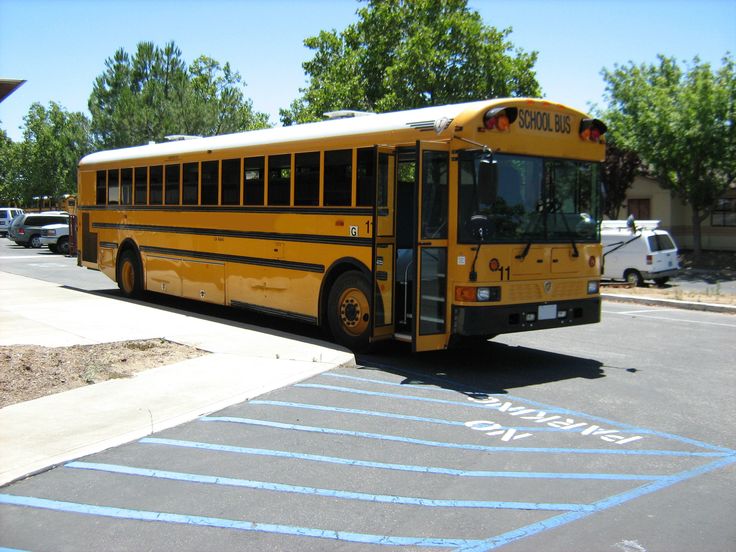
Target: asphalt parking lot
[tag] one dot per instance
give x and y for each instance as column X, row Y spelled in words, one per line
column 355, row 456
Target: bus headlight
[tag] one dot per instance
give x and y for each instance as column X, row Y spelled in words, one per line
column 593, row 287
column 483, row 294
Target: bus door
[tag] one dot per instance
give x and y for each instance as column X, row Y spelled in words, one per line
column 384, row 244
column 430, row 249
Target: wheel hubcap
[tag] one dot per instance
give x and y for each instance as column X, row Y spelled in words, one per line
column 354, row 311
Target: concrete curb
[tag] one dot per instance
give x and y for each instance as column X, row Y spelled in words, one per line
column 673, row 303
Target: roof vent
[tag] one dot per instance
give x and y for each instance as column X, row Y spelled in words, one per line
column 346, row 114
column 180, row 137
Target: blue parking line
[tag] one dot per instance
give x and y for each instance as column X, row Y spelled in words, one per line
column 546, row 407
column 240, row 525
column 399, row 467
column 616, row 500
column 483, row 448
column 330, row 493
column 385, row 415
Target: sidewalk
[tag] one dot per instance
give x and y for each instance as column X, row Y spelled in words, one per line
column 243, row 363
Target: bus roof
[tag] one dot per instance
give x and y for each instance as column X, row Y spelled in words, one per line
column 420, row 119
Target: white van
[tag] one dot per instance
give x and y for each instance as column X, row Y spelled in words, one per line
column 637, row 250
column 7, row 214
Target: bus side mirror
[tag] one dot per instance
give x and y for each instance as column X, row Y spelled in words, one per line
column 487, row 180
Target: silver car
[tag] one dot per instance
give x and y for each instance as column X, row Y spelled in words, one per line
column 26, row 230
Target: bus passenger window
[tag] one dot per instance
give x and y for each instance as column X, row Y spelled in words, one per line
column 190, row 185
column 366, row 176
column 279, row 179
column 101, row 189
column 230, row 182
column 113, row 192
column 171, row 196
column 253, row 179
column 141, row 185
column 157, row 185
column 209, row 182
column 306, row 179
column 338, row 178
column 126, row 186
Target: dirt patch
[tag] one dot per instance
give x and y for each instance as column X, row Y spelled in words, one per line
column 31, row 371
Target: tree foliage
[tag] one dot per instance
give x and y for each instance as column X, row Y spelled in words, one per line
column 154, row 94
column 45, row 163
column 681, row 121
column 619, row 170
column 403, row 54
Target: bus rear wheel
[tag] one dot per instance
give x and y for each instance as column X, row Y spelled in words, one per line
column 130, row 275
column 349, row 311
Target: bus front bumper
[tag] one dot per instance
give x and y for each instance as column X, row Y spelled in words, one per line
column 495, row 320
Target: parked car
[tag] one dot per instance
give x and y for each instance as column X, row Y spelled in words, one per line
column 7, row 214
column 56, row 237
column 25, row 229
column 638, row 250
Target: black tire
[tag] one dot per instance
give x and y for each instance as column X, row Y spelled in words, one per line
column 62, row 246
column 634, row 277
column 348, row 311
column 129, row 274
column 35, row 241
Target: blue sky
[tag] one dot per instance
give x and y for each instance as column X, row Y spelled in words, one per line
column 60, row 46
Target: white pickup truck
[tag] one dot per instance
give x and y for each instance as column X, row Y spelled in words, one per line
column 56, row 236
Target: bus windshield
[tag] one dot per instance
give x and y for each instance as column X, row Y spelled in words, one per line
column 538, row 199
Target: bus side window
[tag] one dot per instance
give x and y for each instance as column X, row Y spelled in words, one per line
column 366, row 177
column 141, row 185
column 126, row 186
column 230, row 182
column 253, row 181
column 338, row 178
column 157, row 184
column 306, row 178
column 190, row 184
column 101, row 194
column 279, row 179
column 171, row 195
column 210, row 173
column 113, row 191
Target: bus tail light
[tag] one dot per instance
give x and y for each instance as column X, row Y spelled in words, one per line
column 500, row 118
column 592, row 130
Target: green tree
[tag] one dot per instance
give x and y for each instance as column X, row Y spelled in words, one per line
column 681, row 122
column 154, row 94
column 10, row 189
column 403, row 54
column 45, row 163
column 619, row 170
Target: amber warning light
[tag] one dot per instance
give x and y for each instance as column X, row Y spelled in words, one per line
column 592, row 130
column 500, row 118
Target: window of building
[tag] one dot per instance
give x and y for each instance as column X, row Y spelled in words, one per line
column 113, row 187
column 141, row 185
column 190, row 184
column 366, row 176
column 171, row 195
column 306, row 178
column 156, row 177
column 725, row 213
column 279, row 179
column 338, row 178
column 253, row 181
column 101, row 189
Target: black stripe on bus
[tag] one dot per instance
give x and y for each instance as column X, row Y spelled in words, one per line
column 275, row 312
column 307, row 238
column 365, row 211
column 291, row 265
column 108, row 245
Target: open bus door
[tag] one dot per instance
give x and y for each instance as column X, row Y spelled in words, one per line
column 384, row 244
column 430, row 248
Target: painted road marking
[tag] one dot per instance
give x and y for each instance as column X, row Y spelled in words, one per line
column 203, row 521
column 669, row 319
column 398, row 467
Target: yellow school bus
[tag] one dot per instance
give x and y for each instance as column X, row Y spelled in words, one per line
column 433, row 226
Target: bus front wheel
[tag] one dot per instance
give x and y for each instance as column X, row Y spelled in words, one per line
column 130, row 275
column 349, row 311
